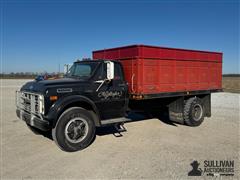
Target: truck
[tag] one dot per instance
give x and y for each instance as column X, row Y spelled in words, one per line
column 118, row 81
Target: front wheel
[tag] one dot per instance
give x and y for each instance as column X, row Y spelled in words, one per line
column 74, row 130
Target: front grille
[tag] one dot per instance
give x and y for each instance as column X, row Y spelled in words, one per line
column 30, row 102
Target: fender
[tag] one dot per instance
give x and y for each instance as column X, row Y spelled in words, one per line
column 56, row 110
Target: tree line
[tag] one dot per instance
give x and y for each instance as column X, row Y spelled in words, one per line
column 25, row 75
column 31, row 75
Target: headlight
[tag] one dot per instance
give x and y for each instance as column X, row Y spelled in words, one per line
column 41, row 104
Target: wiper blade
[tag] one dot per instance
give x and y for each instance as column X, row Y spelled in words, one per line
column 78, row 77
column 72, row 76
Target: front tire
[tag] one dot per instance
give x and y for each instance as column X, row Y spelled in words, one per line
column 74, row 130
column 193, row 112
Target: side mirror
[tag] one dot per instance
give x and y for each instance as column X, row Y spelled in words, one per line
column 110, row 70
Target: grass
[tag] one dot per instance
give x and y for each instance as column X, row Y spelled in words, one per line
column 231, row 84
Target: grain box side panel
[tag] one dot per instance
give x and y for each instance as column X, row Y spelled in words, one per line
column 160, row 76
column 150, row 76
column 150, row 70
column 177, row 54
column 181, row 75
column 131, row 71
column 98, row 55
column 204, row 75
column 117, row 53
column 215, row 75
column 166, row 76
column 193, row 75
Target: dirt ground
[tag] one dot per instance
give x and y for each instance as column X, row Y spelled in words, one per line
column 150, row 149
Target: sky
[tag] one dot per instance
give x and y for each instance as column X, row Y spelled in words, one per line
column 37, row 36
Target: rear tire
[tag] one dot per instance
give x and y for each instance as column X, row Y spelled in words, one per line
column 193, row 112
column 74, row 130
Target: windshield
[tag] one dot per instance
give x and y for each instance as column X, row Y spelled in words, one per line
column 82, row 70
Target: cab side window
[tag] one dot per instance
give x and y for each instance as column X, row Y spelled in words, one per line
column 101, row 73
column 118, row 74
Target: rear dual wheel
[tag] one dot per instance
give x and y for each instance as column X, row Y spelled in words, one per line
column 75, row 129
column 193, row 112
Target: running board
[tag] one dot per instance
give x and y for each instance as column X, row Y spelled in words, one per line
column 115, row 121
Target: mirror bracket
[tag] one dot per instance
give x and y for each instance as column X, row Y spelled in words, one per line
column 100, row 81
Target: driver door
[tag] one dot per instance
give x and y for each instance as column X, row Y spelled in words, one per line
column 111, row 96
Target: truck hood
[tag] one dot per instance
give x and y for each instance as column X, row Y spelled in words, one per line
column 42, row 86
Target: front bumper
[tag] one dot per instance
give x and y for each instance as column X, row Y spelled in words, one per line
column 33, row 120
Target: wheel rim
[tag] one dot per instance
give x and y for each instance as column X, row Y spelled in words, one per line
column 197, row 112
column 76, row 130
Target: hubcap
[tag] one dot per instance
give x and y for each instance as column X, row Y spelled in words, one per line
column 76, row 130
column 197, row 112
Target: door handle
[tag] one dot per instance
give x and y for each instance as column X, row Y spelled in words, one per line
column 122, row 85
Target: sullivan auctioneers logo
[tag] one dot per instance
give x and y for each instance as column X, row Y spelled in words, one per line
column 212, row 168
